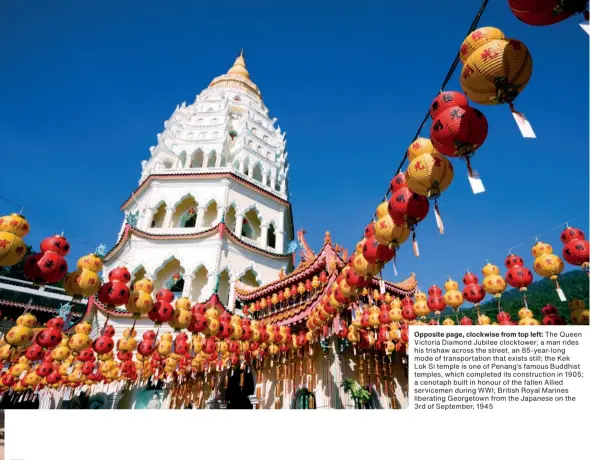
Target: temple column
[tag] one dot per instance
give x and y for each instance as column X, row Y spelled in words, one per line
column 168, row 218
column 280, row 241
column 147, row 218
column 188, row 284
column 273, row 180
column 176, row 163
column 263, row 236
column 218, row 161
column 205, row 160
column 265, row 178
column 242, row 166
column 220, row 214
column 284, row 185
column 231, row 303
column 200, row 216
column 239, row 223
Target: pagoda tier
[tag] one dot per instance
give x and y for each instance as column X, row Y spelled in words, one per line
column 305, row 285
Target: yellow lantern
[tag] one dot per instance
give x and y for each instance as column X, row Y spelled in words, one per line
column 82, row 282
column 238, row 331
column 395, row 314
column 23, row 365
column 548, row 265
column 315, row 283
column 386, row 232
column 525, row 313
column 15, row 224
column 453, row 297
column 287, row 293
column 374, row 316
column 19, row 336
column 61, row 352
column 126, row 344
column 274, row 299
column 139, row 303
column 90, row 262
column 420, row 304
column 145, row 285
column 477, row 39
column 448, row 322
column 26, row 320
column 421, row 146
column 180, row 319
column 484, row 320
column 493, row 283
column 79, row 341
column 496, row 71
column 105, row 356
column 12, row 249
column 347, row 290
column 430, row 174
column 183, row 303
column 7, row 352
column 301, row 288
column 382, row 210
column 353, row 335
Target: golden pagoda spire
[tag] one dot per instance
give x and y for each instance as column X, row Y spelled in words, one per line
column 239, row 66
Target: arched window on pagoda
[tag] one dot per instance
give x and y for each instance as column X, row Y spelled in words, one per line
column 158, row 218
column 210, row 215
column 212, row 159
column 257, row 173
column 251, row 225
column 271, row 238
column 176, row 284
column 223, row 288
column 189, row 219
column 304, row 399
column 230, row 219
column 197, row 159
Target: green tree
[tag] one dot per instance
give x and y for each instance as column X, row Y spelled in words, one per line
column 360, row 395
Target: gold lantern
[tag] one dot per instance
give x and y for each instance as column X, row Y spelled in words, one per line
column 421, row 146
column 382, row 209
column 12, row 249
column 548, row 265
column 453, row 297
column 429, row 174
column 493, row 283
column 496, row 69
column 387, row 232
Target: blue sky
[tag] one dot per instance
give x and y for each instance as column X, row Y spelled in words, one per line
column 86, row 89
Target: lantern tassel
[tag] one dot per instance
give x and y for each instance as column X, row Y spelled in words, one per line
column 523, row 124
column 474, row 179
column 559, row 291
column 439, row 222
column 394, row 266
column 415, row 245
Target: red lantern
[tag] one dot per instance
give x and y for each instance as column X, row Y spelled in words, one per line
column 47, row 267
column 474, row 293
column 447, row 99
column 374, row 252
column 436, row 304
column 519, row 277
column 354, row 280
column 161, row 312
column 459, row 132
column 408, row 312
column 103, row 345
column 124, row 355
column 44, row 369
column 370, row 230
column 546, row 12
column 407, row 208
column 435, row 291
column 57, row 244
column 86, row 355
column 323, row 278
column 34, row 352
column 53, row 378
column 49, row 337
column 120, row 274
column 576, row 250
column 165, row 294
column 398, row 181
column 146, row 347
column 465, row 321
column 225, row 330
column 470, row 278
column 198, row 323
column 113, row 293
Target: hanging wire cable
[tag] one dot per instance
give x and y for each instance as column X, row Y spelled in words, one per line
column 448, row 77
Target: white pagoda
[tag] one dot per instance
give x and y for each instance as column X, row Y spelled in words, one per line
column 220, row 160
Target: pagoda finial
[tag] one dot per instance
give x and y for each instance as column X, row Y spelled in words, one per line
column 239, row 67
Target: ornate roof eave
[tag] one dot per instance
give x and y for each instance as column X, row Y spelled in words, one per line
column 204, row 175
column 323, row 260
column 129, row 230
